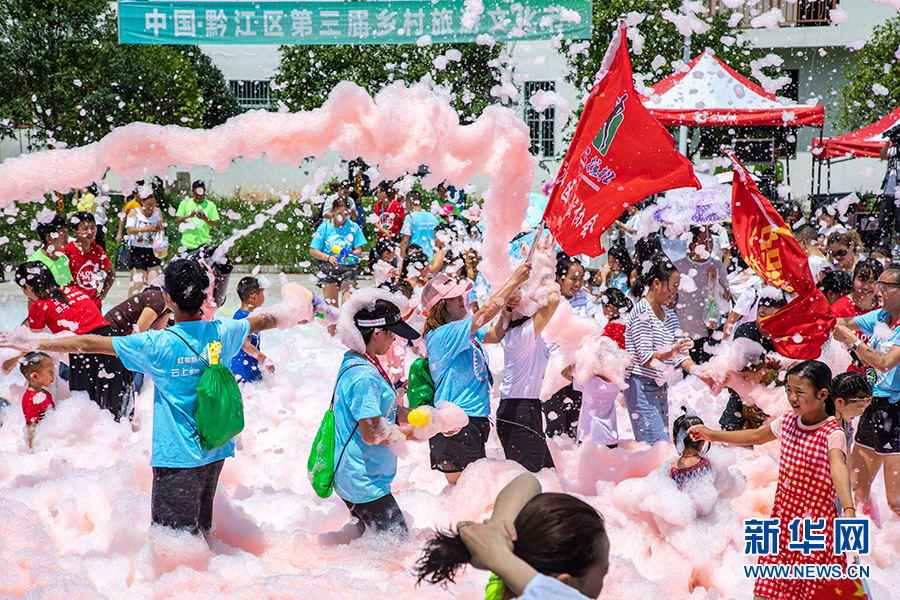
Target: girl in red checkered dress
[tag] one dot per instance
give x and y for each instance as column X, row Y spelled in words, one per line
column 812, row 471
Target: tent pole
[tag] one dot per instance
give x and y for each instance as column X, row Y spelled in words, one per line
column 821, row 138
column 828, row 174
column 787, row 172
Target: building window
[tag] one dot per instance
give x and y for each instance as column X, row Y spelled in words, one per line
column 251, row 93
column 797, row 13
column 541, row 125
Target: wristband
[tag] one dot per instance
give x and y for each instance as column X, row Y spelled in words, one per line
column 855, row 346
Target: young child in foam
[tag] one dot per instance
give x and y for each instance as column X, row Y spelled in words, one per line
column 812, row 473
column 562, row 410
column 615, row 304
column 597, row 420
column 69, row 309
column 383, row 259
column 185, row 475
column 91, row 269
column 245, row 364
column 519, row 416
column 38, row 369
column 691, row 465
column 538, row 545
column 366, row 410
column 459, row 364
column 852, row 396
column 54, row 236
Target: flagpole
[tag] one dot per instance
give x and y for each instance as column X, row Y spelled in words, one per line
column 534, row 243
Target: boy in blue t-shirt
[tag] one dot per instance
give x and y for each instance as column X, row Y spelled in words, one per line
column 185, row 475
column 245, row 364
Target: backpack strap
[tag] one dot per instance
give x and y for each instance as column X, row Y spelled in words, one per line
column 347, row 443
column 205, row 362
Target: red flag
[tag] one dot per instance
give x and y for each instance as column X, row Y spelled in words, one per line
column 620, row 155
column 841, row 589
column 799, row 329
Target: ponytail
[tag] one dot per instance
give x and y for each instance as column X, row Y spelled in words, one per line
column 661, row 269
column 556, row 533
column 39, row 277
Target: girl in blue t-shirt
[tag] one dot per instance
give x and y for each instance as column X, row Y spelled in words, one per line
column 459, row 363
column 337, row 245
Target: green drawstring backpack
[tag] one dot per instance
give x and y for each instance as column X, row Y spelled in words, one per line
column 220, row 408
column 421, row 388
column 320, row 466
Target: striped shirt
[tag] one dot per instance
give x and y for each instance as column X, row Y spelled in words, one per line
column 645, row 335
column 582, row 304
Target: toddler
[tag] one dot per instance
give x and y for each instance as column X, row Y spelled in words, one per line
column 692, row 464
column 38, row 369
column 245, row 364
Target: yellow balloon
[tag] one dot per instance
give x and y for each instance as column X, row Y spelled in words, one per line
column 418, row 417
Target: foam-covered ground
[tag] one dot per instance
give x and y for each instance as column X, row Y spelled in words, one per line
column 74, row 514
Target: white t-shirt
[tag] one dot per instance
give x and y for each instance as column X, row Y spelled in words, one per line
column 525, row 362
column 598, row 411
column 836, row 439
column 692, row 305
column 746, row 305
column 817, row 264
column 542, row 587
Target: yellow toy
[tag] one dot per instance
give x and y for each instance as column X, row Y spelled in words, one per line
column 215, row 349
column 419, row 417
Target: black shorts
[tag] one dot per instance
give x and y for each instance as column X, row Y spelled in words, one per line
column 520, row 426
column 143, row 259
column 455, row 453
column 382, row 515
column 183, row 498
column 563, row 410
column 879, row 427
column 330, row 274
column 104, row 378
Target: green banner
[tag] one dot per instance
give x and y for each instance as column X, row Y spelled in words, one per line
column 363, row 22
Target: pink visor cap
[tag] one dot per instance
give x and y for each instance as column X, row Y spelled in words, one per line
column 441, row 287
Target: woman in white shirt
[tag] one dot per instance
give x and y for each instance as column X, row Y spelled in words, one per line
column 142, row 224
column 525, row 354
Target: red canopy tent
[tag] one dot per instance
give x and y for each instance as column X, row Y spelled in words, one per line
column 867, row 141
column 711, row 93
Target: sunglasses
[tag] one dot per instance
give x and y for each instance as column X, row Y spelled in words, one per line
column 883, row 286
column 839, row 253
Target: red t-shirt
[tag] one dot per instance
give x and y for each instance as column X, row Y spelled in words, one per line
column 87, row 267
column 845, row 308
column 392, row 219
column 615, row 332
column 80, row 316
column 35, row 404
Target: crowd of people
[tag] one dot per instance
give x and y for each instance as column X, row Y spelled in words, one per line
column 672, row 311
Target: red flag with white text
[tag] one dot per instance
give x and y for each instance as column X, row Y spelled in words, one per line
column 619, row 155
column 799, row 329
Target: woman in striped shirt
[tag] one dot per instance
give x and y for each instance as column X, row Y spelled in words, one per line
column 654, row 337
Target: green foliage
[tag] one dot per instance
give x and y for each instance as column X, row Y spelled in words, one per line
column 876, row 63
column 662, row 46
column 660, row 39
column 308, row 74
column 64, row 75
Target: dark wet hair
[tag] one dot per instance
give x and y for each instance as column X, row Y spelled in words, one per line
column 556, row 533
column 778, row 301
column 851, row 384
column 397, row 285
column 680, row 430
column 564, row 264
column 29, row 363
column 40, row 278
column 45, row 230
column 837, row 282
column 661, row 269
column 415, row 197
column 882, row 249
column 697, row 231
column 867, row 269
column 80, row 217
column 378, row 249
column 187, row 283
column 818, row 375
column 617, row 298
column 646, row 250
column 806, row 232
column 620, row 253
column 414, row 264
column 246, row 287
